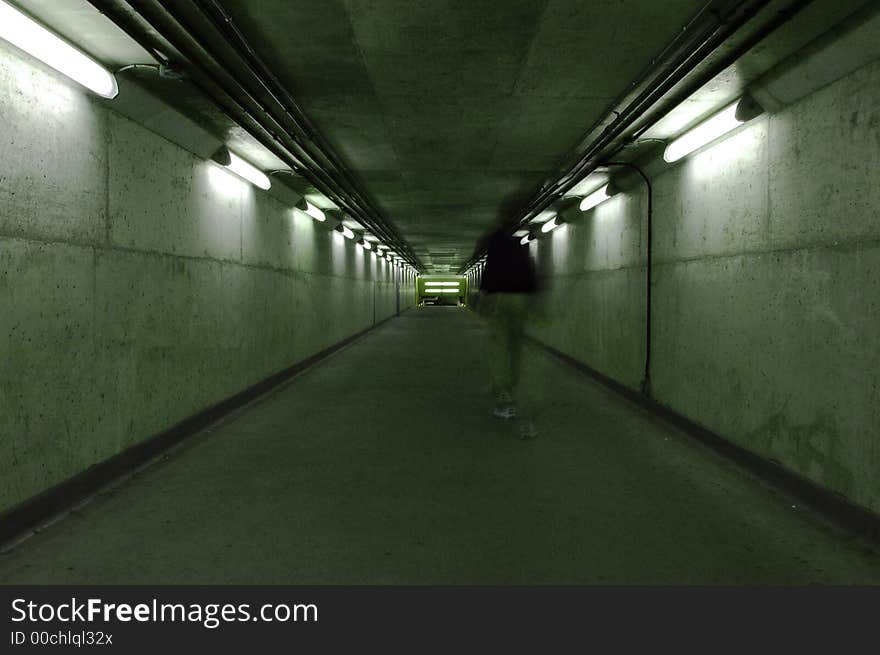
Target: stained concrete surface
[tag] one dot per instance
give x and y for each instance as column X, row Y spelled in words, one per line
column 382, row 464
column 140, row 284
column 765, row 287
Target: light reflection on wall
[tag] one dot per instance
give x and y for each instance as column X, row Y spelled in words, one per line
column 40, row 103
column 737, row 148
column 560, row 245
column 608, row 211
column 305, row 242
column 337, row 252
column 216, row 202
column 56, row 94
column 612, row 217
column 359, row 256
column 605, row 232
column 223, row 182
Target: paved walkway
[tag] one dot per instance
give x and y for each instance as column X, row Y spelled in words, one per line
column 382, row 465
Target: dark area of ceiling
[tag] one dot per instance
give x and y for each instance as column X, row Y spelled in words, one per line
column 451, row 112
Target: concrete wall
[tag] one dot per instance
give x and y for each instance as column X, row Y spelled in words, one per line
column 407, row 290
column 140, row 284
column 766, row 318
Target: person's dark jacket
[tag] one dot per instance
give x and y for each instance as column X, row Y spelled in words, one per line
column 509, row 268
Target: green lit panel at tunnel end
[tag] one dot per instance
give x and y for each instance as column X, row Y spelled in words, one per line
column 441, row 290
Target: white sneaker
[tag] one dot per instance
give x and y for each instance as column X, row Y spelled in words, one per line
column 504, row 411
column 504, row 408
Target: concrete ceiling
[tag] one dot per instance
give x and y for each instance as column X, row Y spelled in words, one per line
column 452, row 112
column 449, row 112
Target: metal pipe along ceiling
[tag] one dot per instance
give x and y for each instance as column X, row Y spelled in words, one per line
column 713, row 25
column 239, row 87
column 212, row 11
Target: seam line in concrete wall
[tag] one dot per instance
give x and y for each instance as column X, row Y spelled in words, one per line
column 848, row 245
column 108, row 148
column 159, row 254
column 590, row 271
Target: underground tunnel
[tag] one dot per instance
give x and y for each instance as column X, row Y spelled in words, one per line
column 373, row 292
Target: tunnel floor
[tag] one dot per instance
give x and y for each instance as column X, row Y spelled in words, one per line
column 383, row 465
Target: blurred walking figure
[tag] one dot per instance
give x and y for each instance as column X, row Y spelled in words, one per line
column 507, row 288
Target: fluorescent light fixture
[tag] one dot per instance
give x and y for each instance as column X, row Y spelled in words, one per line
column 347, row 233
column 430, row 291
column 28, row 35
column 308, row 208
column 585, row 187
column 525, row 240
column 442, row 284
column 598, row 196
column 550, row 225
column 706, row 132
column 366, row 244
column 246, row 171
column 520, row 233
column 544, row 216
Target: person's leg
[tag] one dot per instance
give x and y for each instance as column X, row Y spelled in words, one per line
column 519, row 308
column 499, row 356
column 495, row 342
column 515, row 335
